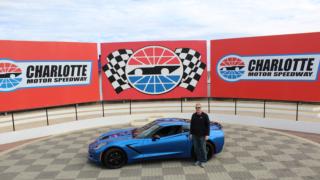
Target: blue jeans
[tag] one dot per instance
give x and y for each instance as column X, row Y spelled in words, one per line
column 199, row 146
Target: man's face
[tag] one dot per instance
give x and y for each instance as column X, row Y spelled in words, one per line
column 198, row 108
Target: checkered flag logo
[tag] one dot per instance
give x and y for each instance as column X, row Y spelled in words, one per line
column 115, row 69
column 193, row 67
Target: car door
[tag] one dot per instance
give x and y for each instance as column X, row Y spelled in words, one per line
column 171, row 144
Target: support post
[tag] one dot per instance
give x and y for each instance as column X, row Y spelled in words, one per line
column 181, row 105
column 13, row 126
column 297, row 111
column 209, row 104
column 102, row 103
column 76, row 110
column 47, row 116
column 130, row 105
column 235, row 106
column 264, row 109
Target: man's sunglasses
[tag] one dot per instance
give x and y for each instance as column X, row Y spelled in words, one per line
column 198, row 107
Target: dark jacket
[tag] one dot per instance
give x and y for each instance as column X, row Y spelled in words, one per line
column 200, row 124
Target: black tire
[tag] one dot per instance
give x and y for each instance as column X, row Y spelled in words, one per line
column 114, row 158
column 209, row 148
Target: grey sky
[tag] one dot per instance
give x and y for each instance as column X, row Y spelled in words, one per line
column 141, row 20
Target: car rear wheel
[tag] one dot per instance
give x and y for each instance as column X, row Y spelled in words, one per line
column 114, row 158
column 210, row 151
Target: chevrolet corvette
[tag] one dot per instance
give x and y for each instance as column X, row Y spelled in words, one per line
column 162, row 138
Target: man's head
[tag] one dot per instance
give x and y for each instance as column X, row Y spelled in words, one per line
column 198, row 108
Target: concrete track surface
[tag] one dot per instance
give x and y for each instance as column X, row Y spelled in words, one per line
column 249, row 153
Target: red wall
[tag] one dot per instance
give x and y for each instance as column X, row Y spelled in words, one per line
column 240, row 52
column 199, row 91
column 307, row 44
column 28, row 98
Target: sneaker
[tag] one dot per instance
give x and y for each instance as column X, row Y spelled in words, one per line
column 201, row 165
column 197, row 163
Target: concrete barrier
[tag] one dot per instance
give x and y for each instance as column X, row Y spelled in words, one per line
column 256, row 109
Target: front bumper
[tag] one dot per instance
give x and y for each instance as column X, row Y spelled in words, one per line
column 94, row 155
column 94, row 158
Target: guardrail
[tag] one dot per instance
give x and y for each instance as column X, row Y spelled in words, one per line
column 296, row 111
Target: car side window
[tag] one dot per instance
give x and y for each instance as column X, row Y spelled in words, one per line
column 186, row 128
column 169, row 130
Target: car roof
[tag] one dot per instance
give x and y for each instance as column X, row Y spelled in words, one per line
column 172, row 121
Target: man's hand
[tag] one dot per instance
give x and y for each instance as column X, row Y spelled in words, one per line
column 207, row 137
column 190, row 136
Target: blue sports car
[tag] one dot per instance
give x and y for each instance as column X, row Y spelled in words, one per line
column 162, row 138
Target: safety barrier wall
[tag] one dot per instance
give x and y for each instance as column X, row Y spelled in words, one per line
column 306, row 112
column 161, row 71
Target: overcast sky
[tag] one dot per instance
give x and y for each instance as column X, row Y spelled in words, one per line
column 140, row 20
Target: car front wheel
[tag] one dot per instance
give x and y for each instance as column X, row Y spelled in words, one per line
column 114, row 158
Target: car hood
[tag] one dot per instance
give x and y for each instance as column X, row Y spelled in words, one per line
column 119, row 134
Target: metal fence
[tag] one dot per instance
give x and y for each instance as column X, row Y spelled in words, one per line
column 260, row 108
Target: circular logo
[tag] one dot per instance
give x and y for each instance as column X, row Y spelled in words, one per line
column 9, row 76
column 231, row 68
column 154, row 70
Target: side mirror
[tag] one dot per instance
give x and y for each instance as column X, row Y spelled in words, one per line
column 155, row 137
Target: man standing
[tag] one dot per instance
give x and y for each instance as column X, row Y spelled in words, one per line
column 199, row 133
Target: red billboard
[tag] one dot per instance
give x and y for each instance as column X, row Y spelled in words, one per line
column 154, row 70
column 282, row 67
column 44, row 74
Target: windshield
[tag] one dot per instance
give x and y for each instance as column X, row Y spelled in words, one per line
column 145, row 127
column 137, row 131
column 147, row 132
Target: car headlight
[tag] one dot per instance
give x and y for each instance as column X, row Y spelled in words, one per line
column 98, row 146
